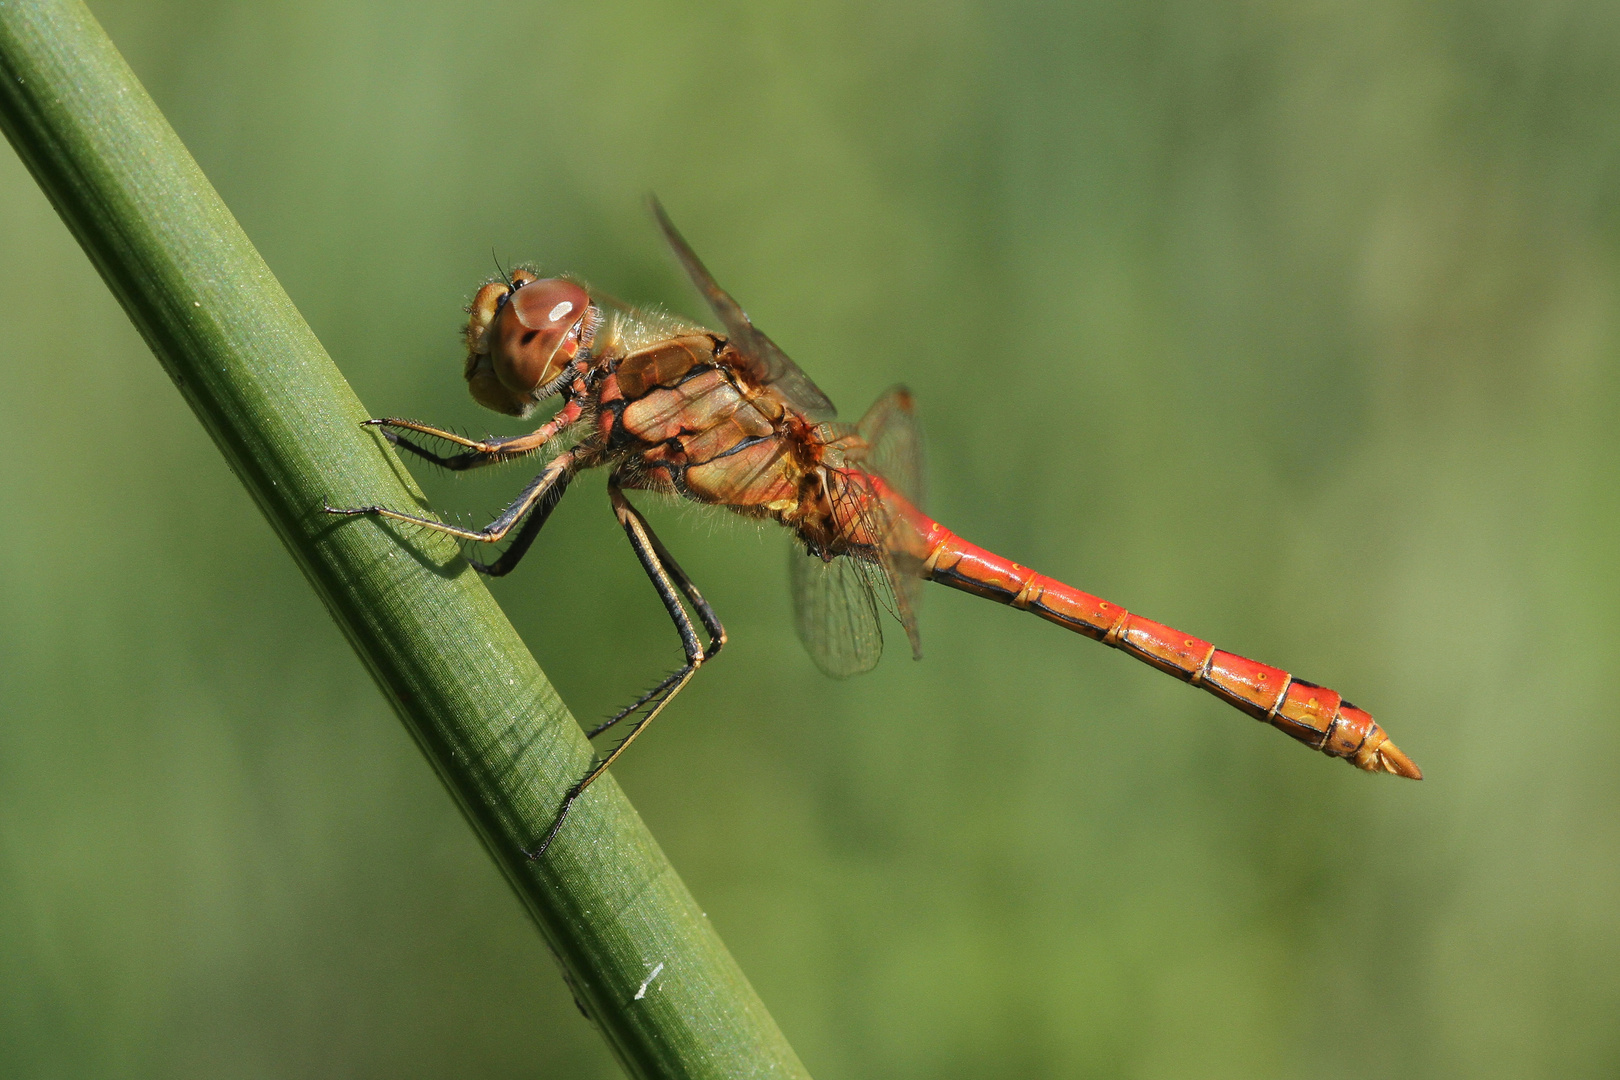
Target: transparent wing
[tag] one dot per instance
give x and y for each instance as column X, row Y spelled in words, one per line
column 835, row 612
column 894, row 452
column 770, row 366
column 868, row 527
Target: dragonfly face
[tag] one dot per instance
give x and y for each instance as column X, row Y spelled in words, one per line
column 522, row 337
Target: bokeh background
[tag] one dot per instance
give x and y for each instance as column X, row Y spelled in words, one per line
column 1292, row 324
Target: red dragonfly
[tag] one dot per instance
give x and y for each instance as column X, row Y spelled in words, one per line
column 727, row 419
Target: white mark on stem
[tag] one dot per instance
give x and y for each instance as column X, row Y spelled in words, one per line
column 651, row 975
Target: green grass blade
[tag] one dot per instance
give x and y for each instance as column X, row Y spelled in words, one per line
column 605, row 898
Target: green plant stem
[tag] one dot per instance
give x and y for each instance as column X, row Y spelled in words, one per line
column 605, row 898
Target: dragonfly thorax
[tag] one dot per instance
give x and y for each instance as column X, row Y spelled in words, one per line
column 521, row 338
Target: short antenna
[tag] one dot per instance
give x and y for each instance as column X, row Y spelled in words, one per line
column 499, row 269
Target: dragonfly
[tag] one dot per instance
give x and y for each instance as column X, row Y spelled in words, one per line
column 725, row 418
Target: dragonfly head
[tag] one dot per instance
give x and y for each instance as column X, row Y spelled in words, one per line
column 521, row 338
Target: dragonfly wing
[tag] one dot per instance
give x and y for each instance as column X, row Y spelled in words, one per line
column 895, row 445
column 894, row 452
column 769, row 365
column 867, row 522
column 835, row 613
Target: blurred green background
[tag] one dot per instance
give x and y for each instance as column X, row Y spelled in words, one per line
column 1291, row 324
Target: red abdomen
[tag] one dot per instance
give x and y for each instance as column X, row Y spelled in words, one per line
column 1314, row 715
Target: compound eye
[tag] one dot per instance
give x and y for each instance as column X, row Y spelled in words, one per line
column 550, row 305
column 536, row 333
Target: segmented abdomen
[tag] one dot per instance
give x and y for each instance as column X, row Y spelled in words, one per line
column 1314, row 715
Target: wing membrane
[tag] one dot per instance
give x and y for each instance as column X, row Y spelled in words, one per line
column 769, row 365
column 895, row 445
column 893, row 581
column 835, row 612
column 894, row 452
column 836, row 603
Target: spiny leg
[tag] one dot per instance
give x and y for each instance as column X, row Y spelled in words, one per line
column 553, row 474
column 705, row 613
column 519, row 546
column 671, row 582
column 489, row 452
column 479, row 452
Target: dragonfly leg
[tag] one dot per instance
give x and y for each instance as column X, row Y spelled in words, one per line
column 479, row 451
column 553, row 476
column 519, row 546
column 705, row 613
column 672, row 583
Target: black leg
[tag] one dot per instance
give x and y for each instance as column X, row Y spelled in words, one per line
column 672, row 583
column 705, row 613
column 531, row 528
column 557, row 472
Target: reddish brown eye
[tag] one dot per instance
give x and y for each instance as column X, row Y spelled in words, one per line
column 545, row 305
column 534, row 337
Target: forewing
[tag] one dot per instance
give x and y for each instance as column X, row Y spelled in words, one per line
column 769, row 365
column 835, row 613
